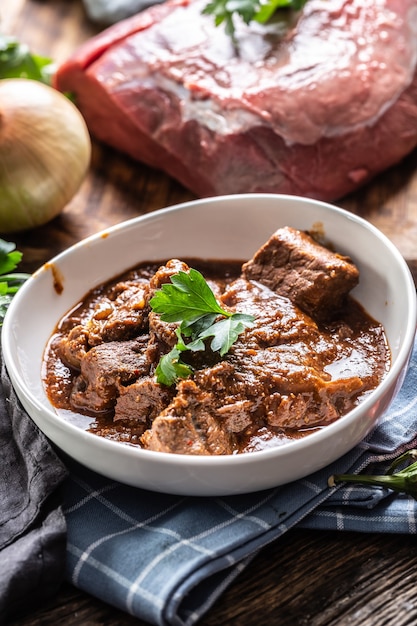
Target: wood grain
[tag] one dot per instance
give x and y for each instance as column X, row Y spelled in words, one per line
column 306, row 578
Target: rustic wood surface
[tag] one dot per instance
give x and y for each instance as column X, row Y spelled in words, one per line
column 306, row 578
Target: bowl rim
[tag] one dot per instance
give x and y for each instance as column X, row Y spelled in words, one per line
column 287, row 448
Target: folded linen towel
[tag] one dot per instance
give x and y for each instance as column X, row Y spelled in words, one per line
column 167, row 558
column 32, row 524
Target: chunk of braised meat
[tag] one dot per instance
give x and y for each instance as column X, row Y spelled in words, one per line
column 164, row 273
column 321, row 405
column 286, row 358
column 234, row 400
column 142, row 400
column 162, row 337
column 294, row 265
column 187, row 426
column 73, row 347
column 277, row 319
column 117, row 317
column 121, row 315
column 296, row 392
column 104, row 369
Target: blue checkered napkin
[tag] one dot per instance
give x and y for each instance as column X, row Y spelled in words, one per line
column 167, row 558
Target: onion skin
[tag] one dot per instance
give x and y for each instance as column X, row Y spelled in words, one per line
column 45, row 152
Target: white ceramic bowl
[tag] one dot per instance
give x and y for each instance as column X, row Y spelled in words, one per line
column 224, row 227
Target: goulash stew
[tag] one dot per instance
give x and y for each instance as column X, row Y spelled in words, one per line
column 296, row 352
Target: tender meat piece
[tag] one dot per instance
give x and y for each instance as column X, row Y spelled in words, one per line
column 323, row 404
column 117, row 317
column 299, row 394
column 317, row 112
column 277, row 319
column 104, row 369
column 162, row 333
column 234, row 400
column 281, row 386
column 142, row 401
column 164, row 273
column 73, row 347
column 120, row 317
column 162, row 338
column 187, row 426
column 294, row 265
column 285, row 360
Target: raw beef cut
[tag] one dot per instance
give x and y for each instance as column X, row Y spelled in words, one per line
column 315, row 110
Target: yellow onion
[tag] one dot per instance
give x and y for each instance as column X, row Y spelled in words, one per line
column 45, row 152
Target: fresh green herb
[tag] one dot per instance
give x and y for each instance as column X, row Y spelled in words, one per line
column 189, row 300
column 16, row 61
column 403, row 481
column 10, row 281
column 224, row 11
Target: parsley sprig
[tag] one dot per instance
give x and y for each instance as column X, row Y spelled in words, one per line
column 10, row 281
column 261, row 11
column 188, row 299
column 402, row 481
column 17, row 61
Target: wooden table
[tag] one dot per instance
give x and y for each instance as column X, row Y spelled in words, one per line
column 305, row 578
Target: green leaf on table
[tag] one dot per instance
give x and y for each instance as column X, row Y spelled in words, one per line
column 10, row 282
column 402, row 481
column 17, row 61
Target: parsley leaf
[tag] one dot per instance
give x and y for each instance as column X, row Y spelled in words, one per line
column 170, row 368
column 16, row 61
column 189, row 300
column 225, row 332
column 10, row 281
column 402, row 481
column 224, row 11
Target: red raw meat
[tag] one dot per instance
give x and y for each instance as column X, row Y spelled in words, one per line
column 317, row 111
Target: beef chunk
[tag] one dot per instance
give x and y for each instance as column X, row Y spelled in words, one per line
column 104, row 369
column 234, row 400
column 294, row 265
column 165, row 272
column 73, row 347
column 187, row 426
column 118, row 316
column 121, row 315
column 277, row 319
column 162, row 337
column 142, row 401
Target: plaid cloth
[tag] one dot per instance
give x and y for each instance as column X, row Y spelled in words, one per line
column 167, row 558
